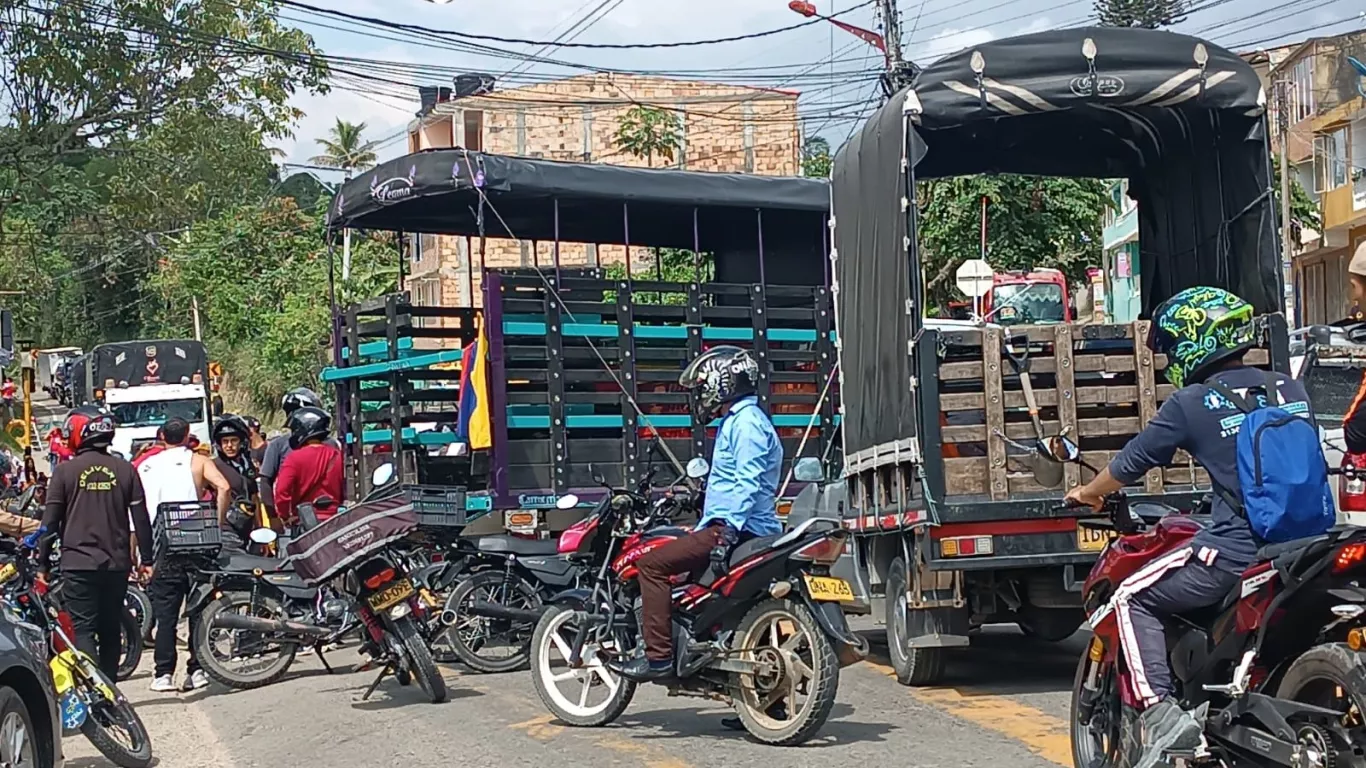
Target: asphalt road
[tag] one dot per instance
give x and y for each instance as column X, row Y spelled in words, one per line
column 1005, row 706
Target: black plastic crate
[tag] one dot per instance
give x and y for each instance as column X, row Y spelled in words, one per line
column 438, row 506
column 186, row 528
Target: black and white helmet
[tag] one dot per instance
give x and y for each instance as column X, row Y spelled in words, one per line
column 718, row 377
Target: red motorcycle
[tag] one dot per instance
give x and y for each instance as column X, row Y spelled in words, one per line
column 768, row 635
column 1275, row 671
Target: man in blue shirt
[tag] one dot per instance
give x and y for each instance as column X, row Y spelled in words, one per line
column 740, row 501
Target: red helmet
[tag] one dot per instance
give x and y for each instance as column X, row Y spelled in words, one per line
column 88, row 427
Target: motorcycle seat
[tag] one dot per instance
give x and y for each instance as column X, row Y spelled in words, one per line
column 513, row 545
column 1284, row 548
column 240, row 561
column 741, row 551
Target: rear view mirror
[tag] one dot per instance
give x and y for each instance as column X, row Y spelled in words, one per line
column 567, row 501
column 808, row 470
column 697, row 468
column 1063, row 449
column 382, row 475
column 264, row 536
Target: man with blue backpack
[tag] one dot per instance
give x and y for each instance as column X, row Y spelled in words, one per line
column 1254, row 433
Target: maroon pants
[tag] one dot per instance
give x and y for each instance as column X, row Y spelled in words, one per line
column 685, row 555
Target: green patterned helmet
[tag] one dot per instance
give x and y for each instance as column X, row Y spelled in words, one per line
column 1198, row 328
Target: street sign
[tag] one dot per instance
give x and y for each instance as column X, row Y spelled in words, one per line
column 216, row 370
column 974, row 278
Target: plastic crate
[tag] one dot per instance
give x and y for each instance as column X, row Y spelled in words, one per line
column 186, row 528
column 438, row 506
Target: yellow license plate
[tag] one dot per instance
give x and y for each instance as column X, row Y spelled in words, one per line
column 828, row 588
column 392, row 594
column 1093, row 539
column 7, row 572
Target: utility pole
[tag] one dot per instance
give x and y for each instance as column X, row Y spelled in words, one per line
column 900, row 72
column 194, row 310
column 1283, row 128
column 346, row 242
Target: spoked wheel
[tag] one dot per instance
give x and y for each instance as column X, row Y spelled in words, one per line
column 482, row 643
column 788, row 697
column 239, row 658
column 130, row 651
column 112, row 725
column 1098, row 725
column 141, row 607
column 1328, row 676
column 588, row 694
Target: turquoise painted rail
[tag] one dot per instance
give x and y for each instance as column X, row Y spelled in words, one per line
column 378, row 348
column 609, row 331
column 404, row 364
column 611, row 421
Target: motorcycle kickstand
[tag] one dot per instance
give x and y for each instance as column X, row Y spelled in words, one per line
column 318, row 648
column 382, row 672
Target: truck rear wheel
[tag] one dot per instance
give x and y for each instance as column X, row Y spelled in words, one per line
column 914, row 666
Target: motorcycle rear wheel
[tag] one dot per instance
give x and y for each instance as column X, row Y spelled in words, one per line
column 260, row 605
column 795, row 659
column 470, row 637
column 419, row 658
column 550, row 651
column 131, row 654
column 1331, row 676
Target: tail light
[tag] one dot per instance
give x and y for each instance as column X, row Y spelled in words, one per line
column 1352, row 488
column 1349, row 557
column 825, row 550
column 966, row 546
column 379, row 579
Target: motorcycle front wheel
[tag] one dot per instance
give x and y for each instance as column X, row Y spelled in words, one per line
column 112, row 724
column 419, row 659
column 588, row 695
column 788, row 697
column 1108, row 736
column 242, row 659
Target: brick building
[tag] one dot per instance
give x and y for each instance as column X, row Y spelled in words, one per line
column 723, row 128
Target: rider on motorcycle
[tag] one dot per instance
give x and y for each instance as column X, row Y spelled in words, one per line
column 278, row 448
column 1204, row 332
column 740, row 499
column 313, row 469
column 1354, row 426
column 230, row 435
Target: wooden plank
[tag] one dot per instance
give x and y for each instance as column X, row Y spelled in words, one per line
column 966, row 476
column 960, row 371
column 977, row 433
column 1104, row 427
column 1067, row 401
column 1147, row 393
column 991, row 380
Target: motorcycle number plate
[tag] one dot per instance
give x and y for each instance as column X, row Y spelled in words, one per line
column 1093, row 539
column 7, row 572
column 828, row 588
column 391, row 595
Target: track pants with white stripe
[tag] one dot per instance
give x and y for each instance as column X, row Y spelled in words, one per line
column 1170, row 585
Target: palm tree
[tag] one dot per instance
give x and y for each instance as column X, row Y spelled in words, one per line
column 646, row 131
column 345, row 149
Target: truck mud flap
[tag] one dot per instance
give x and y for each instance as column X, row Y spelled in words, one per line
column 937, row 628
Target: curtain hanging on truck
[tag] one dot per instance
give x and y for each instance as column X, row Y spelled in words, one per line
column 1182, row 119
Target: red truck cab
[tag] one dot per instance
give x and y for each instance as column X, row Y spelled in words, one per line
column 1028, row 298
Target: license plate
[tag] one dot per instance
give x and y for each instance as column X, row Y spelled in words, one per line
column 391, row 595
column 1093, row 539
column 7, row 572
column 828, row 588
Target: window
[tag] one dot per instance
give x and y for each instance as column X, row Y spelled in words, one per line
column 1028, row 303
column 1330, row 160
column 1302, row 89
column 474, row 130
column 154, row 413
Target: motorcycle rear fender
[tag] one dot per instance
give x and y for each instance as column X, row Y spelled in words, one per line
column 576, row 599
column 438, row 577
column 200, row 597
column 850, row 647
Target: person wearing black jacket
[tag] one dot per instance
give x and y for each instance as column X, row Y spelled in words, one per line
column 91, row 501
column 1354, row 425
column 230, row 440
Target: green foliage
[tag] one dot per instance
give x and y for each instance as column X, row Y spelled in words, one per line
column 645, row 131
column 1150, row 14
column 1304, row 212
column 346, row 149
column 1032, row 221
column 672, row 265
column 816, row 157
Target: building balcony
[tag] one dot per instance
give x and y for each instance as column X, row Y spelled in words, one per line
column 1123, row 229
column 1344, row 207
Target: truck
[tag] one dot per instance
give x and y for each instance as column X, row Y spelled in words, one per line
column 954, row 527
column 144, row 384
column 50, row 367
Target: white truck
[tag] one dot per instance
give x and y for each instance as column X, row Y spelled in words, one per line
column 144, row 384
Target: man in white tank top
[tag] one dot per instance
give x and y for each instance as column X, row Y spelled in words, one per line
column 177, row 474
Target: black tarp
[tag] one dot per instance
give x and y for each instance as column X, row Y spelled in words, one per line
column 1182, row 119
column 438, row 192
column 163, row 361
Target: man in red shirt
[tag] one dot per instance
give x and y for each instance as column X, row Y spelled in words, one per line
column 312, row 470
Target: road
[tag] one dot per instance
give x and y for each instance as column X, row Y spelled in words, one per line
column 1005, row 707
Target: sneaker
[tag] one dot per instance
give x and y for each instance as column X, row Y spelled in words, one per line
column 197, row 679
column 164, row 684
column 1166, row 727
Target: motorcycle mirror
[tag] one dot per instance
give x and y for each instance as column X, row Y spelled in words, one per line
column 1063, row 449
column 697, row 468
column 808, row 470
column 264, row 536
column 382, row 475
column 567, row 501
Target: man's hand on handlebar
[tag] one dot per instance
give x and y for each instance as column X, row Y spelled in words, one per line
column 1080, row 496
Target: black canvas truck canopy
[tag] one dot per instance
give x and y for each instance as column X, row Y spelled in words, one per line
column 1180, row 118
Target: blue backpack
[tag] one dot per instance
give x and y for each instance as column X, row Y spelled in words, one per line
column 1281, row 468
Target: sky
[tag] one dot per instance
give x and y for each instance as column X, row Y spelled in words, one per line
column 832, row 102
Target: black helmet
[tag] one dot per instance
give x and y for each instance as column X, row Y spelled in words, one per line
column 88, row 427
column 253, row 423
column 308, row 423
column 719, row 376
column 230, row 425
column 301, row 397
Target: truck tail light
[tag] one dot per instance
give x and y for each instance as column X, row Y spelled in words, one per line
column 966, row 546
column 1352, row 489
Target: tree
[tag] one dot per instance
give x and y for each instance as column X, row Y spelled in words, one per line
column 346, row 149
column 645, row 131
column 1032, row 221
column 1149, row 14
column 1304, row 212
column 816, row 161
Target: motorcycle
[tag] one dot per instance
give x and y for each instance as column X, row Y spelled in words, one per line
column 1275, row 671
column 374, row 593
column 89, row 701
column 767, row 634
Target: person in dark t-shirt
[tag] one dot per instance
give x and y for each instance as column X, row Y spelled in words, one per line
column 92, row 500
column 230, row 435
column 1204, row 332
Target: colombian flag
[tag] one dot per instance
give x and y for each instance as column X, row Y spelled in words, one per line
column 473, row 426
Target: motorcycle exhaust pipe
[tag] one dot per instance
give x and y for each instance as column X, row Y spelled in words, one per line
column 258, row 624
column 496, row 611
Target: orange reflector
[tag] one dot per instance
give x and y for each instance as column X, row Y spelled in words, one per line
column 966, row 546
column 1355, row 640
column 382, row 577
column 784, row 507
column 1097, row 649
column 521, row 518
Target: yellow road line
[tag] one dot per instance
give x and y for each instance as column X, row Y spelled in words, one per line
column 1042, row 733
